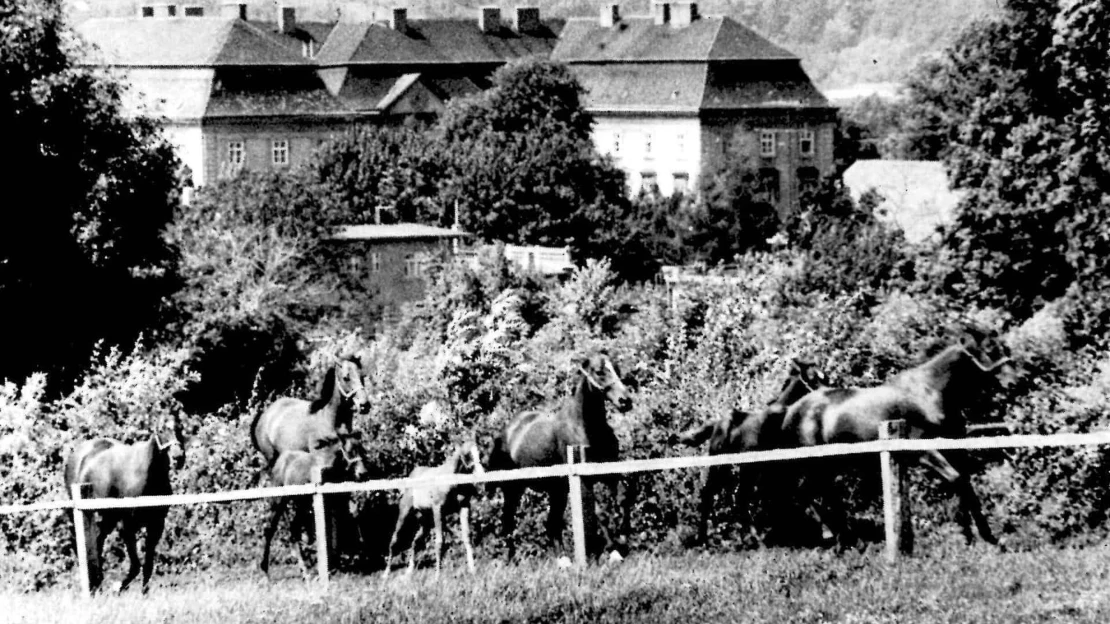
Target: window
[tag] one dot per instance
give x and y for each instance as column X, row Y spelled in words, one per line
column 805, row 142
column 236, row 154
column 280, row 152
column 308, row 49
column 616, row 142
column 412, row 266
column 681, row 183
column 680, row 144
column 769, row 184
column 647, row 145
column 171, row 10
column 148, row 11
column 648, row 182
column 375, row 262
column 194, row 11
column 767, row 143
column 807, row 179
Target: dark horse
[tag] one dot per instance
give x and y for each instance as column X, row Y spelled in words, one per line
column 298, row 425
column 118, row 470
column 932, row 398
column 540, row 438
column 340, row 457
column 745, row 431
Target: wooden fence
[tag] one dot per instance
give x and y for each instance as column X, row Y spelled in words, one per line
column 896, row 513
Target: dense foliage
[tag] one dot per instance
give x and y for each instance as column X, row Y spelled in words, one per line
column 82, row 255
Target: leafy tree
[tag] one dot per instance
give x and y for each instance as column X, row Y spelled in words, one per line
column 730, row 217
column 521, row 165
column 104, row 188
column 1022, row 101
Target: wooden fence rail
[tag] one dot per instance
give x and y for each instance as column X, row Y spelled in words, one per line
column 572, row 470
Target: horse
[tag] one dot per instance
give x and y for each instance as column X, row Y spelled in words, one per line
column 541, row 437
column 118, row 470
column 744, row 431
column 930, row 397
column 340, row 457
column 437, row 501
column 298, row 425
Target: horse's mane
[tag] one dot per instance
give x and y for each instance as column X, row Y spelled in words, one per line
column 326, row 391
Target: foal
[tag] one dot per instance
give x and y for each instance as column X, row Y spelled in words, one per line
column 440, row 500
column 340, row 457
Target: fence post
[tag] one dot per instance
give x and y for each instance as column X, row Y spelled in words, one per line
column 896, row 506
column 577, row 522
column 81, row 521
column 320, row 518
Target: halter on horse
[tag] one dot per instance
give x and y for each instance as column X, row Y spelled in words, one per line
column 541, row 437
column 118, row 470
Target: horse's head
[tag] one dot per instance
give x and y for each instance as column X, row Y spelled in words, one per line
column 172, row 450
column 344, row 455
column 804, row 378
column 468, row 457
column 349, row 382
column 600, row 372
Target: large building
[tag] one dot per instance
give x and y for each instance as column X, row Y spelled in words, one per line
column 674, row 92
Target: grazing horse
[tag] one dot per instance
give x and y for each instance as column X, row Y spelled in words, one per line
column 930, row 397
column 745, row 431
column 340, row 457
column 437, row 501
column 118, row 470
column 298, row 425
column 540, row 438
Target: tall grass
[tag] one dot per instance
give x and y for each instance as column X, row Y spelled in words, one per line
column 950, row 584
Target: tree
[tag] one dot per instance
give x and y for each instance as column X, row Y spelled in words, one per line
column 1020, row 101
column 86, row 258
column 730, row 217
column 521, row 165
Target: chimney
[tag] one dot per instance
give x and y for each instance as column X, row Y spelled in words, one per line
column 287, row 20
column 146, row 10
column 489, row 19
column 399, row 20
column 165, row 10
column 610, row 15
column 526, row 19
column 662, row 13
column 194, row 11
column 683, row 13
column 233, row 10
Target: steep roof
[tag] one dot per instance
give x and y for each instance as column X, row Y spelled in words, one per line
column 777, row 84
column 436, row 41
column 652, row 86
column 639, row 39
column 185, row 42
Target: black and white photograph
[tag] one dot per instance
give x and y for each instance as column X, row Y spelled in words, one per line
column 664, row 311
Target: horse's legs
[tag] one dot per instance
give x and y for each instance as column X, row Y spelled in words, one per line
column 713, row 479
column 464, row 536
column 512, row 493
column 129, row 533
column 421, row 533
column 277, row 510
column 104, row 526
column 970, row 507
column 154, row 528
column 401, row 532
column 626, row 501
column 557, row 497
column 297, row 530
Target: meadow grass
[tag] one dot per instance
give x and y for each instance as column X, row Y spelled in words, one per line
column 975, row 584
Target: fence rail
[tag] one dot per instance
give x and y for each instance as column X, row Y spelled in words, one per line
column 887, row 449
column 585, row 469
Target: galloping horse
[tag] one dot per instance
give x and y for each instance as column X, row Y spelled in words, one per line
column 438, row 501
column 298, row 425
column 341, row 459
column 931, row 398
column 118, row 470
column 540, row 438
column 745, row 431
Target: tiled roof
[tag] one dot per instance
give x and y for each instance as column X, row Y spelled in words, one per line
column 396, row 231
column 186, row 42
column 239, row 93
column 779, row 84
column 659, row 86
column 178, row 96
column 434, row 41
column 341, row 43
column 638, row 39
column 915, row 193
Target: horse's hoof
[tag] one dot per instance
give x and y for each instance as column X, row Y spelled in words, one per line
column 563, row 562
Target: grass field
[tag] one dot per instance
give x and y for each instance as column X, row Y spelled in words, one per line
column 974, row 584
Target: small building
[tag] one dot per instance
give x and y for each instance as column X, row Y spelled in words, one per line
column 914, row 194
column 393, row 259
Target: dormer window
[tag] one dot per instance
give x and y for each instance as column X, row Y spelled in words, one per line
column 308, row 48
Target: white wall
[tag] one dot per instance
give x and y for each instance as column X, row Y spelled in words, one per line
column 188, row 142
column 675, row 148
